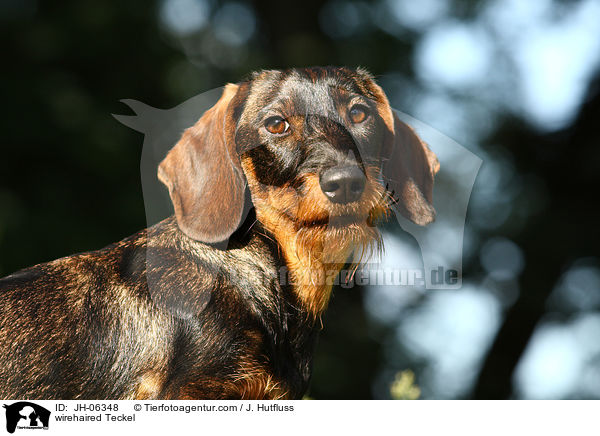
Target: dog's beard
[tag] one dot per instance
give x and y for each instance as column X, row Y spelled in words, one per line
column 320, row 230
column 333, row 243
column 344, row 230
column 318, row 239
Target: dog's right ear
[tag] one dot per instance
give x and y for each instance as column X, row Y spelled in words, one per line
column 203, row 172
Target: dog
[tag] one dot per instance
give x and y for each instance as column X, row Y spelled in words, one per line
column 165, row 313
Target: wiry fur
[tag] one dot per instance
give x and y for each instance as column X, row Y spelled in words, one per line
column 166, row 313
column 313, row 244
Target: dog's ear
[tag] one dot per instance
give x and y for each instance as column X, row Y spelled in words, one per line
column 409, row 167
column 203, row 172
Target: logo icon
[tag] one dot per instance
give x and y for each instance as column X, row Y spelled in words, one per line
column 26, row 415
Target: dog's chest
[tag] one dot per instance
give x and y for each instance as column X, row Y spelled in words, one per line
column 249, row 369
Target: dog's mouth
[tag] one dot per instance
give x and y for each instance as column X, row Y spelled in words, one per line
column 368, row 212
column 310, row 209
column 361, row 217
column 337, row 221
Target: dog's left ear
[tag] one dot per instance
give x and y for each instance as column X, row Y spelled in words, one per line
column 409, row 167
column 203, row 172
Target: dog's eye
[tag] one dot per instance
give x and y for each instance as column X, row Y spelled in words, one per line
column 358, row 113
column 277, row 125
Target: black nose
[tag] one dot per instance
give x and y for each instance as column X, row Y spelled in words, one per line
column 343, row 184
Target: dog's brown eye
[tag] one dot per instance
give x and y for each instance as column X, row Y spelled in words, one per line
column 358, row 114
column 277, row 125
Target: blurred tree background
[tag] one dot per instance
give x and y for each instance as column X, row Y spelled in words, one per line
column 515, row 82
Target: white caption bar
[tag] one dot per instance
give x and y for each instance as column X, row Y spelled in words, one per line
column 299, row 417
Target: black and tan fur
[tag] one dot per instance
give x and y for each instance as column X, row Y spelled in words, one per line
column 223, row 323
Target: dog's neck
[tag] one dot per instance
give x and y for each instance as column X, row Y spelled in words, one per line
column 312, row 259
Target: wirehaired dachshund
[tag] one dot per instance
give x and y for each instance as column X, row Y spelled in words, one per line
column 165, row 313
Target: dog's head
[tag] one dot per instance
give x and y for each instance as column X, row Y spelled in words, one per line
column 319, row 148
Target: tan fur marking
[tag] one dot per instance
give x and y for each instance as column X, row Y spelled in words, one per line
column 315, row 253
column 254, row 383
column 150, row 386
